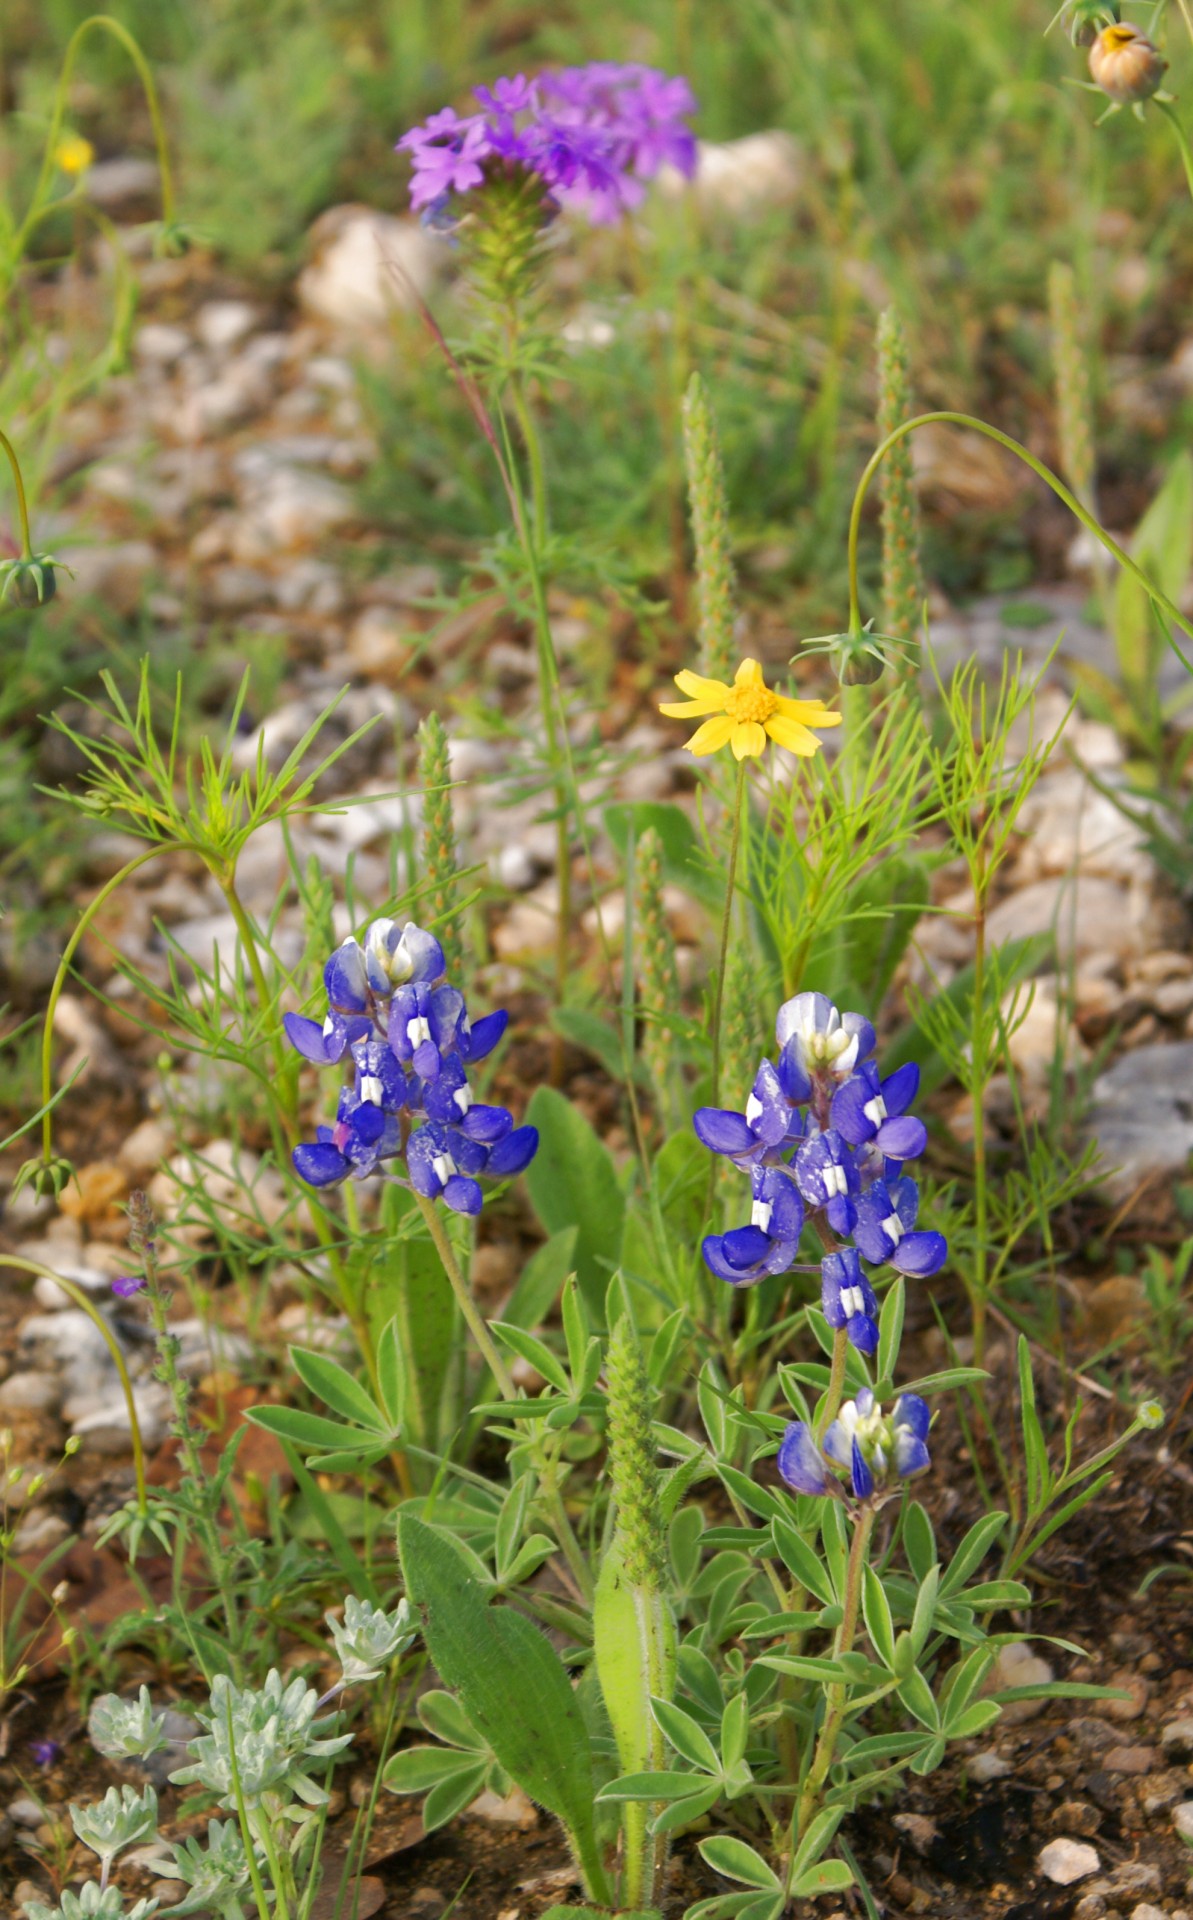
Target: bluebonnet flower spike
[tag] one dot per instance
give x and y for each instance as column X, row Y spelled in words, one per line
column 863, row 1449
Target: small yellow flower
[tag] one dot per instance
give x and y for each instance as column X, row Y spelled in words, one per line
column 74, row 154
column 746, row 714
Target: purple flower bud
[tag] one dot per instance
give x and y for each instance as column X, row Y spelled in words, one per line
column 125, row 1285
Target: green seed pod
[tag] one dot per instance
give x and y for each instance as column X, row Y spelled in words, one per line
column 658, row 974
column 902, row 583
column 29, row 582
column 710, row 532
column 633, row 1469
column 440, row 865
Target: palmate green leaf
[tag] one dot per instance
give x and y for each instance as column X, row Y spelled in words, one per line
column 335, row 1386
column 311, row 1430
column 877, row 1612
column 890, row 1330
column 573, row 1182
column 972, row 1550
column 974, row 1720
column 417, row 1769
column 919, row 1541
column 451, row 1796
column 654, row 1786
column 802, row 1560
column 510, row 1681
column 1039, row 1477
column 681, row 1813
column 441, row 1714
column 535, row 1352
column 820, row 1832
column 727, row 1855
column 686, row 1735
column 827, row 1876
column 391, row 1374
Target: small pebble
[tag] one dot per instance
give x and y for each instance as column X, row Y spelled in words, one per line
column 1064, row 1861
column 1182, row 1819
column 1135, row 1877
column 1091, row 1906
column 984, row 1767
column 25, row 1812
column 1077, row 1816
column 1137, row 1689
column 1177, row 1739
column 1130, row 1760
column 425, row 1903
column 1145, row 1911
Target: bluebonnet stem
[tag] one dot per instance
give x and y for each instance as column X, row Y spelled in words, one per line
column 824, row 1137
column 863, row 1449
column 410, row 1041
column 591, row 136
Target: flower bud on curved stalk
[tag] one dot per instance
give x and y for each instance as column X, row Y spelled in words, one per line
column 1126, row 65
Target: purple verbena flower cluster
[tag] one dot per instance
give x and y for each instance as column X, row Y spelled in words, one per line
column 824, row 1134
column 593, row 135
column 863, row 1447
column 410, row 1041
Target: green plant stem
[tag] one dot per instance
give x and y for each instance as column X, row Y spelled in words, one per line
column 534, row 458
column 739, row 795
column 468, row 1307
column 113, row 1345
column 68, row 952
column 978, row 1285
column 565, row 1533
column 836, row 1382
column 1182, row 140
column 1050, row 479
column 122, row 35
column 22, row 503
column 838, row 1693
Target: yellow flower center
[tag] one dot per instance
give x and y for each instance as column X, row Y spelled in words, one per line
column 1117, row 37
column 752, row 702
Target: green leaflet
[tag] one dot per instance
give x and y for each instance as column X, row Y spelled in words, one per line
column 511, row 1684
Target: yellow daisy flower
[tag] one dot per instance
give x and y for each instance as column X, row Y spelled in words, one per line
column 74, row 154
column 746, row 714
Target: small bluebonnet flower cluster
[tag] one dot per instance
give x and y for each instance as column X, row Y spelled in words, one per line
column 411, row 1042
column 824, row 1134
column 863, row 1447
column 593, row 135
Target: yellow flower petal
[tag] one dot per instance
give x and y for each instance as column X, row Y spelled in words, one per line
column 789, row 733
column 689, row 709
column 706, row 703
column 712, row 736
column 749, row 674
column 747, row 740
column 813, row 713
column 700, row 688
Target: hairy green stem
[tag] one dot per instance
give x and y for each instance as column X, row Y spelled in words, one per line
column 1050, row 479
column 838, row 1694
column 468, row 1307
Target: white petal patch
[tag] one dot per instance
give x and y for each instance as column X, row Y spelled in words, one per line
column 418, row 1030
column 835, row 1180
column 443, row 1166
column 753, row 1108
column 329, row 1027
column 852, row 1301
column 371, row 1089
column 760, row 1214
column 462, row 1098
column 893, row 1227
column 875, row 1110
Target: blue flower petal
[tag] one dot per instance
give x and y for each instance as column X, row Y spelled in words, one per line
column 486, row 1124
column 723, row 1131
column 513, row 1153
column 319, row 1165
column 308, row 1038
column 860, row 1474
column 462, row 1195
column 863, row 1333
column 799, row 1461
column 346, row 980
column 920, row 1254
column 913, row 1413
column 899, row 1089
column 902, row 1139
column 483, row 1035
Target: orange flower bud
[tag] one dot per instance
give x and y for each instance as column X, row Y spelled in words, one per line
column 1125, row 64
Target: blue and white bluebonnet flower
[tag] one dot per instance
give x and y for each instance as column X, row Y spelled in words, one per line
column 770, row 1243
column 867, row 1109
column 848, row 1300
column 864, row 1449
column 883, row 1230
column 411, row 1042
column 821, row 1040
column 824, row 1135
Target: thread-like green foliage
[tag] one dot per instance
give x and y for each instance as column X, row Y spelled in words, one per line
column 710, row 532
column 1074, row 410
column 439, row 837
column 632, row 1462
column 902, row 591
column 658, row 974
